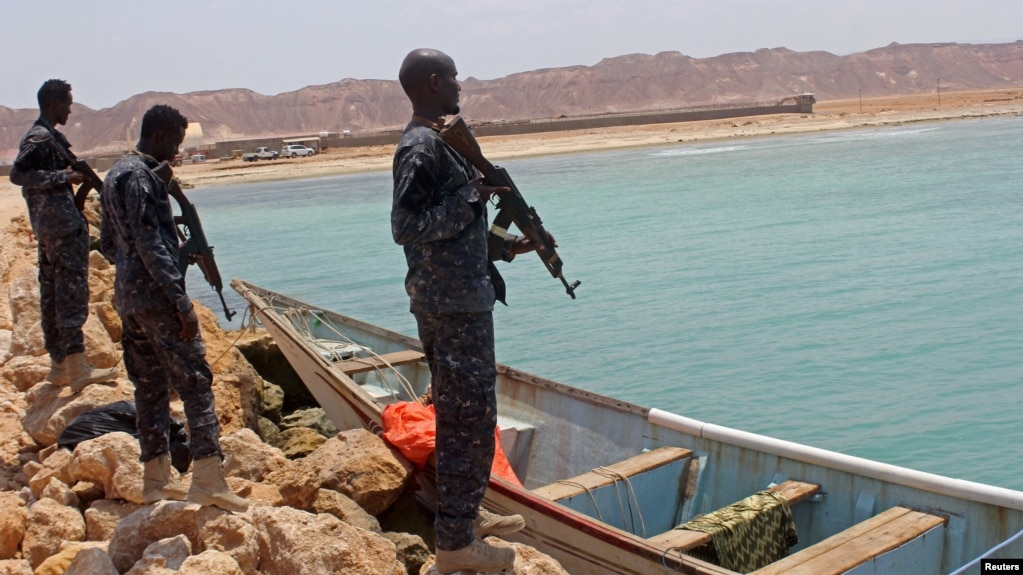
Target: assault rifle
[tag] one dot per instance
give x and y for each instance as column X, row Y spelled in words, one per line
column 194, row 248
column 512, row 208
column 92, row 181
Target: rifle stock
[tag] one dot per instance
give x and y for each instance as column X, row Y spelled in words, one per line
column 194, row 248
column 511, row 206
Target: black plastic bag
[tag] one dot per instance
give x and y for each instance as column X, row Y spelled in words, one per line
column 120, row 416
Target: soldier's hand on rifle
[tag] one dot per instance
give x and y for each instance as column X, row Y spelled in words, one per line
column 486, row 191
column 522, row 245
column 189, row 325
column 74, row 177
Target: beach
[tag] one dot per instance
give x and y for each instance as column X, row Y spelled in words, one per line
column 828, row 115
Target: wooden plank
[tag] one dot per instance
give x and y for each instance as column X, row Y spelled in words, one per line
column 793, row 491
column 629, row 468
column 362, row 364
column 857, row 544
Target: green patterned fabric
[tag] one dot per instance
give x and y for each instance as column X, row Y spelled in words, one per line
column 747, row 535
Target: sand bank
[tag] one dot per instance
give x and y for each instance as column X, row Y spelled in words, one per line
column 828, row 115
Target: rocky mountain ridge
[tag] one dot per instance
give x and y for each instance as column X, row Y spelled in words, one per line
column 625, row 83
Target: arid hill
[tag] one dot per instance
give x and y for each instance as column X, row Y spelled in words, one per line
column 626, row 83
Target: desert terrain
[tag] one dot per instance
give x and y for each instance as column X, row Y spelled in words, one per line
column 828, row 115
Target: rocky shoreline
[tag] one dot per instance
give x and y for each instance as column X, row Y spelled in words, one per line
column 321, row 501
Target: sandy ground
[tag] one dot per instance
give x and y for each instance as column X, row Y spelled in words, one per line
column 828, row 115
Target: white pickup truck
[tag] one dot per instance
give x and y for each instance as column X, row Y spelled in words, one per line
column 263, row 153
column 296, row 150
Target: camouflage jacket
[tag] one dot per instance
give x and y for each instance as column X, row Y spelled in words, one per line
column 139, row 234
column 41, row 173
column 442, row 225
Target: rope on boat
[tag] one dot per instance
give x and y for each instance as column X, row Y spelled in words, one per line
column 988, row 553
column 593, row 500
column 299, row 318
column 630, row 497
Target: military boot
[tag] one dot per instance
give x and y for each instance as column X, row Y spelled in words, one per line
column 58, row 373
column 81, row 374
column 158, row 483
column 478, row 556
column 210, row 488
column 487, row 523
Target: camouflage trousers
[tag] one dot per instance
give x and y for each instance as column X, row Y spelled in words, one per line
column 63, row 288
column 459, row 348
column 157, row 360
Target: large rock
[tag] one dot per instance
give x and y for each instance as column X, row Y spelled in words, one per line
column 49, row 525
column 58, row 564
column 211, row 561
column 13, row 523
column 167, row 553
column 53, row 467
column 412, row 551
column 110, row 460
column 313, row 418
column 14, row 442
column 107, row 315
column 235, row 402
column 51, row 408
column 91, row 561
column 102, row 517
column 25, row 371
column 363, row 467
column 299, row 442
column 247, row 457
column 228, row 533
column 99, row 349
column 27, row 336
column 15, row 567
column 150, row 524
column 293, row 542
column 344, row 508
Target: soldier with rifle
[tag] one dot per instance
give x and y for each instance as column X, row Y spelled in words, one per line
column 46, row 170
column 162, row 343
column 439, row 217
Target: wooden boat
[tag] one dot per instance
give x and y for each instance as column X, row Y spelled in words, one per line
column 607, row 482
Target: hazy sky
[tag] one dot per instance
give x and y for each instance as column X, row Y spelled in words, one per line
column 110, row 50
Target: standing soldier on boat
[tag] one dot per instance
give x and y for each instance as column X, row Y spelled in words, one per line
column 45, row 174
column 439, row 216
column 161, row 339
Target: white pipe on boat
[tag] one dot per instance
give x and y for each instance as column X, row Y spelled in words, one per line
column 960, row 488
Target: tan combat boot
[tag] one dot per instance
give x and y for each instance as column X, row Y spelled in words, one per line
column 81, row 374
column 487, row 523
column 58, row 373
column 478, row 556
column 209, row 487
column 158, row 483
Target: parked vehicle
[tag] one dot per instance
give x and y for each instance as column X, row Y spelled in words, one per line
column 261, row 153
column 293, row 150
column 198, row 157
column 611, row 488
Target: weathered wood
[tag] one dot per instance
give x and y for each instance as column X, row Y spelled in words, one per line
column 362, row 364
column 629, row 468
column 792, row 491
column 857, row 544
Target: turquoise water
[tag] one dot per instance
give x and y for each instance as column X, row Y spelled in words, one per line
column 860, row 291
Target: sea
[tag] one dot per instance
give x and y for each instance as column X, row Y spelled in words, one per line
column 859, row 291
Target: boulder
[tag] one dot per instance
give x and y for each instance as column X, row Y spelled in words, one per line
column 229, row 533
column 149, row 524
column 23, row 296
column 51, row 408
column 167, row 553
column 313, row 418
column 102, row 517
column 49, row 525
column 299, row 442
column 110, row 460
column 211, row 561
column 13, row 523
column 91, row 561
column 363, row 467
column 15, row 567
column 25, row 371
column 344, row 508
column 296, row 542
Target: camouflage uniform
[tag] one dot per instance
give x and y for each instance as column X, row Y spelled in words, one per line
column 139, row 234
column 63, row 239
column 452, row 284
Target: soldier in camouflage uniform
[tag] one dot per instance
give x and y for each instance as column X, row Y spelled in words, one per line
column 439, row 216
column 162, row 343
column 63, row 239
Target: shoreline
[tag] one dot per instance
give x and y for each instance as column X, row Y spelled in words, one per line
column 831, row 115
